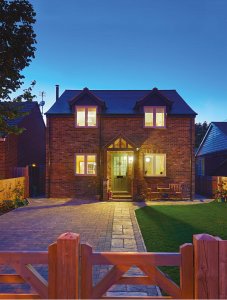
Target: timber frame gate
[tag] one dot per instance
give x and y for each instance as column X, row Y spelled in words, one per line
column 203, row 270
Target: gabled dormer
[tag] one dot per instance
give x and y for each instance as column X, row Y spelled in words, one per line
column 86, row 106
column 155, row 107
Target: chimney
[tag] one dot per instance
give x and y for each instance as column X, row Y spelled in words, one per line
column 57, row 92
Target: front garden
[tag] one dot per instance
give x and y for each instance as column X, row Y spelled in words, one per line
column 165, row 228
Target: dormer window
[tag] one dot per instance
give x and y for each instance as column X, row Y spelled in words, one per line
column 154, row 116
column 86, row 116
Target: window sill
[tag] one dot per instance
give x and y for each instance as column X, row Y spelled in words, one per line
column 85, row 175
column 153, row 127
column 154, row 176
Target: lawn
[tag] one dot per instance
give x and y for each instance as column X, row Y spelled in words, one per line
column 165, row 228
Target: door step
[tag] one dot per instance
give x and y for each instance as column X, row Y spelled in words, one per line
column 122, row 196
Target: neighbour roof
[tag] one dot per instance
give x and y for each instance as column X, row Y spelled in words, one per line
column 215, row 139
column 25, row 107
column 222, row 126
column 120, row 101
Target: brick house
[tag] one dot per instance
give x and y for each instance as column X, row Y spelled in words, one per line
column 24, row 149
column 119, row 142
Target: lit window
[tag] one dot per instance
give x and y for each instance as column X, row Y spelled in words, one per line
column 154, row 116
column 155, row 165
column 86, row 116
column 91, row 116
column 85, row 164
column 80, row 116
column 149, row 117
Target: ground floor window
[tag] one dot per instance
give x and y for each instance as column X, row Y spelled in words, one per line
column 200, row 166
column 85, row 164
column 155, row 164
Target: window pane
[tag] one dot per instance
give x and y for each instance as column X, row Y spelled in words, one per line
column 91, row 164
column 79, row 164
column 160, row 116
column 159, row 165
column 148, row 165
column 80, row 116
column 148, row 119
column 91, row 116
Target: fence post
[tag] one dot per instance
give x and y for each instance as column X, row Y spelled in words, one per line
column 206, row 269
column 26, row 188
column 186, row 271
column 64, row 272
column 222, row 269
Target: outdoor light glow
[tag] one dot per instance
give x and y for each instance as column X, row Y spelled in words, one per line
column 130, row 159
column 147, row 159
column 33, row 165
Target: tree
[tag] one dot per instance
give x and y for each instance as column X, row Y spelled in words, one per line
column 17, row 40
column 200, row 131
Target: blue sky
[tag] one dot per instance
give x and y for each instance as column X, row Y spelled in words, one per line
column 134, row 44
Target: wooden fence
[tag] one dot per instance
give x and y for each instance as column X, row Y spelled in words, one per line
column 207, row 185
column 203, row 270
column 9, row 188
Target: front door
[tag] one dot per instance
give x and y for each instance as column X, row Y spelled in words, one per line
column 119, row 172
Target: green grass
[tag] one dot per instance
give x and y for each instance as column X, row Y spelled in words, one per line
column 165, row 228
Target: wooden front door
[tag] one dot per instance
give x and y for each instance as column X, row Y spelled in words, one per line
column 119, row 172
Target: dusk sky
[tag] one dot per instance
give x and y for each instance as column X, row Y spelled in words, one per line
column 134, row 44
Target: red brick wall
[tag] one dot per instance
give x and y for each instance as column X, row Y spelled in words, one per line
column 64, row 140
column 31, row 143
column 11, row 146
column 22, row 150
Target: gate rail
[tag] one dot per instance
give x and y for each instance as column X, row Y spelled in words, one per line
column 203, row 270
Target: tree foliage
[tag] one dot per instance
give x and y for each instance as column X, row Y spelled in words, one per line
column 17, row 40
column 200, row 131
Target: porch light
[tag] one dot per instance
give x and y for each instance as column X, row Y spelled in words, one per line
column 147, row 159
column 33, row 165
column 130, row 159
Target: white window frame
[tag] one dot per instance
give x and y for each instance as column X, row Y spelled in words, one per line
column 152, row 156
column 86, row 107
column 149, row 109
column 85, row 164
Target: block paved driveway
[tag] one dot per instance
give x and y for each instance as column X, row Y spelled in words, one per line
column 106, row 226
column 36, row 226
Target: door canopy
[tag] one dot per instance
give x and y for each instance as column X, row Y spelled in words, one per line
column 120, row 143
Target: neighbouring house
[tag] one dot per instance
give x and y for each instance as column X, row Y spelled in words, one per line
column 211, row 159
column 27, row 148
column 103, row 143
column 211, row 156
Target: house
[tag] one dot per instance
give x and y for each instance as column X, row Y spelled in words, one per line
column 211, row 156
column 24, row 149
column 103, row 143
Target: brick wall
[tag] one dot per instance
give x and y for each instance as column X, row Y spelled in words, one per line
column 11, row 146
column 64, row 140
column 31, row 143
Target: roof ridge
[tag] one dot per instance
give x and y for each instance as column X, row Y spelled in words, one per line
column 109, row 90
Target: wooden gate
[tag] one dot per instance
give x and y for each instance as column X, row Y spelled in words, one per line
column 203, row 270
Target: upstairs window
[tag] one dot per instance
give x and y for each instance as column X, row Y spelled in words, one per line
column 86, row 116
column 155, row 164
column 154, row 116
column 85, row 164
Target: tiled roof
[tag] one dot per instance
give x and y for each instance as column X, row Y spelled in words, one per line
column 215, row 139
column 222, row 126
column 121, row 101
column 25, row 107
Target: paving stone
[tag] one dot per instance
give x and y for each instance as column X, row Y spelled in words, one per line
column 117, row 243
